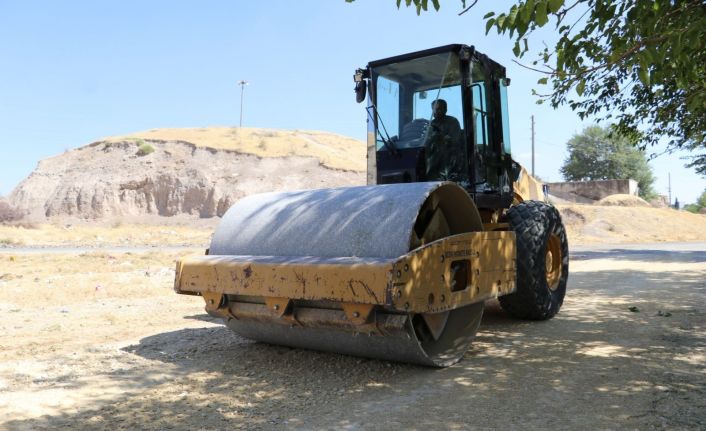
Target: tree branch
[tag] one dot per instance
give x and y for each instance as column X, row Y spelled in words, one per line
column 468, row 8
column 551, row 71
column 562, row 13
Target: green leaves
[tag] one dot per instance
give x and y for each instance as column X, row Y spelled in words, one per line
column 489, row 24
column 516, row 49
column 540, row 16
column 420, row 5
column 526, row 10
column 640, row 63
column 510, row 22
column 644, row 75
column 559, row 59
column 553, row 6
column 522, row 17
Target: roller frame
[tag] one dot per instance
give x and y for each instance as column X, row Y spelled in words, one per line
column 420, row 281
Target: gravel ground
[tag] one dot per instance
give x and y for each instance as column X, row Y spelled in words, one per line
column 150, row 359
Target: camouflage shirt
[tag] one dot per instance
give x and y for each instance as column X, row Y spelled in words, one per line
column 445, row 150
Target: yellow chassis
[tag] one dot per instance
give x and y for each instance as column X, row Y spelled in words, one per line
column 446, row 274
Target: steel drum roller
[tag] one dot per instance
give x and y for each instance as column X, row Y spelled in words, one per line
column 382, row 221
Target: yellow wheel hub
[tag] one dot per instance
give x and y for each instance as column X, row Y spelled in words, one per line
column 553, row 261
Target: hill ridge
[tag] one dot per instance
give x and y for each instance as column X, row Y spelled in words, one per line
column 333, row 150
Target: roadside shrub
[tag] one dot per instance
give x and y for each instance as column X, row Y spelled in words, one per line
column 4, row 241
column 145, row 149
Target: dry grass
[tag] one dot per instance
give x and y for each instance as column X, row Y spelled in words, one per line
column 334, row 151
column 54, row 303
column 66, row 279
column 123, row 235
column 591, row 224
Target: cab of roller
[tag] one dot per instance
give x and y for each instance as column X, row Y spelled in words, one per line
column 400, row 91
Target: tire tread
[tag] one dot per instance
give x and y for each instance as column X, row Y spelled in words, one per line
column 533, row 223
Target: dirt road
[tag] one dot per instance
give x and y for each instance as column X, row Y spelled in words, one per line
column 132, row 355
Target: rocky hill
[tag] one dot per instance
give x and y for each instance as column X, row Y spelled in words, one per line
column 169, row 172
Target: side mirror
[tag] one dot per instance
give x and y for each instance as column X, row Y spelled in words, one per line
column 361, row 89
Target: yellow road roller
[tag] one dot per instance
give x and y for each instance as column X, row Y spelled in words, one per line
column 398, row 269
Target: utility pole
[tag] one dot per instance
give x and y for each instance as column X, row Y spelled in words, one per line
column 242, row 84
column 533, row 145
column 669, row 187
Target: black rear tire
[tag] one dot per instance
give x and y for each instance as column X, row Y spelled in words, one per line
column 541, row 275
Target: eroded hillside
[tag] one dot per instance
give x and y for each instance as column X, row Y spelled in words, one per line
column 144, row 175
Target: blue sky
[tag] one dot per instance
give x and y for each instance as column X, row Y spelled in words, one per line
column 73, row 72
